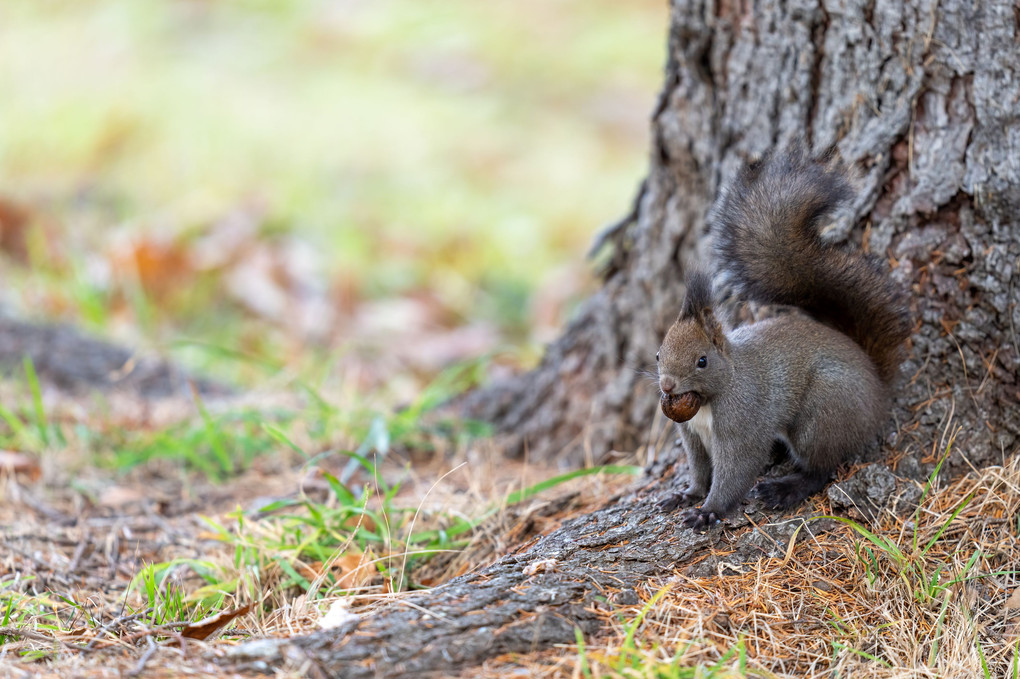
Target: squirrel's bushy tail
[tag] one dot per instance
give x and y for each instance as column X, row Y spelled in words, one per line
column 766, row 236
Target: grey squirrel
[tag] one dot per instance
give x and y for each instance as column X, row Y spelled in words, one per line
column 816, row 381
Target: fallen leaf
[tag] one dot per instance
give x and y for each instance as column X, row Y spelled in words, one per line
column 207, row 626
column 352, row 570
column 160, row 264
column 121, row 496
column 19, row 463
column 14, row 222
column 1014, row 599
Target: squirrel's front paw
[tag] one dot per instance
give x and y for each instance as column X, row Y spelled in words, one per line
column 676, row 500
column 697, row 518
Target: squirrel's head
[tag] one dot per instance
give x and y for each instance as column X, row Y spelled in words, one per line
column 694, row 356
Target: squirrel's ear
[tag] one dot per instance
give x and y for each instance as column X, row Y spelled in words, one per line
column 699, row 295
column 712, row 328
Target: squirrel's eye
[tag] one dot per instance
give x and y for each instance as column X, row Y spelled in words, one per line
column 656, row 356
column 702, row 362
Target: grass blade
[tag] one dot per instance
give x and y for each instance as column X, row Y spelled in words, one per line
column 531, row 491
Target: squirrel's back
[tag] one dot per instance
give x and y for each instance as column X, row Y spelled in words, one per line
column 766, row 236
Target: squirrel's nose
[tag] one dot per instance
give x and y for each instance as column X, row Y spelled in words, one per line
column 667, row 384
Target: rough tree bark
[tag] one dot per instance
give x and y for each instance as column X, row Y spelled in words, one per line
column 923, row 96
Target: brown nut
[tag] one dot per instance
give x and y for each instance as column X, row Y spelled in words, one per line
column 680, row 407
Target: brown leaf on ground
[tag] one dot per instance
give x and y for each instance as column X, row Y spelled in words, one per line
column 14, row 222
column 204, row 628
column 18, row 463
column 121, row 496
column 159, row 264
column 1014, row 599
column 353, row 569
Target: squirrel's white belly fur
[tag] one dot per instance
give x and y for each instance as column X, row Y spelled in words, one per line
column 701, row 423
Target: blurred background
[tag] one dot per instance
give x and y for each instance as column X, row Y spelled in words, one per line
column 401, row 184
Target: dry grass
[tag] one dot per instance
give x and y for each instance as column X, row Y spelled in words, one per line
column 838, row 605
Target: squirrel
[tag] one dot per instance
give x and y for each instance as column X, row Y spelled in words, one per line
column 815, row 380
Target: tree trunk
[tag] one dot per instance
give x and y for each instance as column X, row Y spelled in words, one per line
column 924, row 98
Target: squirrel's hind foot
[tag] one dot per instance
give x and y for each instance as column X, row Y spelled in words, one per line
column 787, row 491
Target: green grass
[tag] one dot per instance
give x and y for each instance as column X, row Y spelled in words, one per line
column 25, row 425
column 221, row 443
column 167, row 602
column 920, row 573
column 931, row 578
column 290, row 534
